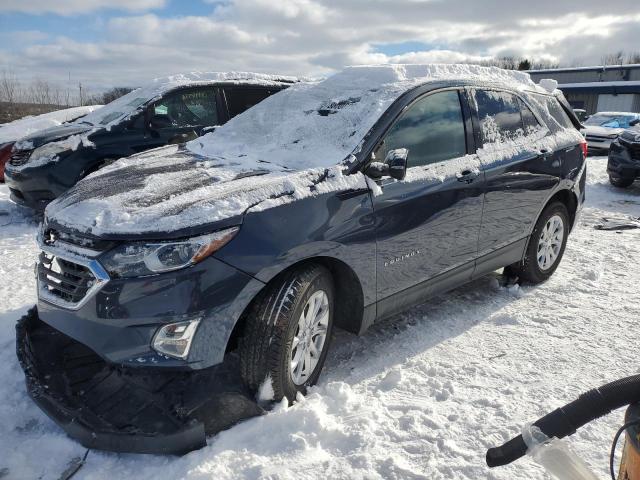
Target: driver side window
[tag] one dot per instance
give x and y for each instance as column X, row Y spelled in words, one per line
column 432, row 129
column 186, row 108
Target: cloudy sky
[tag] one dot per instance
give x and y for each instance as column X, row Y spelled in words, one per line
column 126, row 42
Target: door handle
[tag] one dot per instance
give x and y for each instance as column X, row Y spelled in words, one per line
column 467, row 176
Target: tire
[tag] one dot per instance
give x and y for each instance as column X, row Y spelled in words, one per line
column 531, row 270
column 621, row 182
column 271, row 334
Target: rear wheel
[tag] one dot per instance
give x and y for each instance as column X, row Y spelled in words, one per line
column 546, row 246
column 620, row 182
column 288, row 330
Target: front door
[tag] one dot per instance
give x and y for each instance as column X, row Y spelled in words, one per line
column 180, row 116
column 427, row 225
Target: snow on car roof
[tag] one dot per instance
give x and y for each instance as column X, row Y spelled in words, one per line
column 13, row 131
column 126, row 105
column 321, row 124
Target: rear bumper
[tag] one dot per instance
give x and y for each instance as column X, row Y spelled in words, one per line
column 127, row 410
column 599, row 146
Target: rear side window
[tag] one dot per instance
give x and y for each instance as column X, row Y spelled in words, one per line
column 555, row 110
column 241, row 99
column 499, row 115
column 529, row 121
column 432, row 129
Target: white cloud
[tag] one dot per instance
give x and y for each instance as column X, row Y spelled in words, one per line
column 71, row 7
column 315, row 37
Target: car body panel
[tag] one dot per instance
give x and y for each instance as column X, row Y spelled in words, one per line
column 120, row 320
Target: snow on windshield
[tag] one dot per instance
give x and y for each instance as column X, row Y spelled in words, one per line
column 130, row 103
column 10, row 132
column 321, row 124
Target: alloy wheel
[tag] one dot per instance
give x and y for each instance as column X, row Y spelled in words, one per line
column 550, row 242
column 310, row 337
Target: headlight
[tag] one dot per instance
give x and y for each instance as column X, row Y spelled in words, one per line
column 146, row 258
column 48, row 150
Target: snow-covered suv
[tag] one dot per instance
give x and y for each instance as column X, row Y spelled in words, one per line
column 174, row 290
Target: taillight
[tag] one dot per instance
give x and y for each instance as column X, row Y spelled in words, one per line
column 585, row 148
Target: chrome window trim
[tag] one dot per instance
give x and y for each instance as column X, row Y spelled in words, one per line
column 100, row 274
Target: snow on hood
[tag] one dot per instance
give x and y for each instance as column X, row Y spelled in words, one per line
column 11, row 132
column 288, row 147
column 132, row 102
column 321, row 124
column 171, row 189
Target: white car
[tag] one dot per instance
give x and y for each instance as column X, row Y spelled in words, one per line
column 602, row 128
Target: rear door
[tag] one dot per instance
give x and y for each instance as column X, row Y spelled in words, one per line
column 428, row 224
column 519, row 171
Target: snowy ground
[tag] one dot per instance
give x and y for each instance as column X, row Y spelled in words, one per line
column 421, row 396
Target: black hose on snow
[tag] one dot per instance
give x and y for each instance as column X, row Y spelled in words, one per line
column 566, row 420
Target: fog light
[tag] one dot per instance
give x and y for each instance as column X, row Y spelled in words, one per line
column 175, row 339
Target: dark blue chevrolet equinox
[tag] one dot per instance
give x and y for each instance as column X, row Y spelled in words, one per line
column 178, row 293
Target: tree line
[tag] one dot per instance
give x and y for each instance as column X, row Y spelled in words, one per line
column 19, row 98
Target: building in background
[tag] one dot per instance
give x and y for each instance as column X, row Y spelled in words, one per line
column 610, row 88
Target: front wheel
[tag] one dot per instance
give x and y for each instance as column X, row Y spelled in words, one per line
column 620, row 182
column 286, row 338
column 546, row 246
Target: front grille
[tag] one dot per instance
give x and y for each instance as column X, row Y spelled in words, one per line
column 20, row 157
column 63, row 279
column 633, row 148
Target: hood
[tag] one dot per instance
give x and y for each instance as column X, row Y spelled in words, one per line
column 171, row 192
column 53, row 134
column 602, row 131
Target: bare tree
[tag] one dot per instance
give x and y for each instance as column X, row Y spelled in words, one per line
column 9, row 87
column 616, row 58
column 40, row 92
column 633, row 58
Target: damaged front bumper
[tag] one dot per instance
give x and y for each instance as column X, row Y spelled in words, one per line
column 127, row 409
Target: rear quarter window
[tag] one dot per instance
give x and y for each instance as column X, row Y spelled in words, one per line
column 555, row 110
column 499, row 116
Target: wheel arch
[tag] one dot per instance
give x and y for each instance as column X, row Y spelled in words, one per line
column 565, row 196
column 569, row 199
column 349, row 296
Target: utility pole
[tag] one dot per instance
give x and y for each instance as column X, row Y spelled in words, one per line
column 80, row 87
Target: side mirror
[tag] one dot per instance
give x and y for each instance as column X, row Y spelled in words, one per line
column 635, row 122
column 397, row 162
column 394, row 166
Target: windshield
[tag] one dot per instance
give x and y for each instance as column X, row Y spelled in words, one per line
column 610, row 121
column 116, row 110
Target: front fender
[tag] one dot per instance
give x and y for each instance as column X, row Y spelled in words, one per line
column 330, row 225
